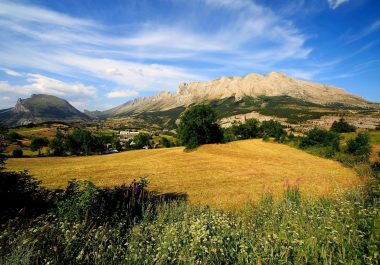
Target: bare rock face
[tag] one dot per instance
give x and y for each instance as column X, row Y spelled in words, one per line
column 253, row 85
column 19, row 107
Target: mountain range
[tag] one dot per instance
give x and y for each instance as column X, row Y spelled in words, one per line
column 274, row 94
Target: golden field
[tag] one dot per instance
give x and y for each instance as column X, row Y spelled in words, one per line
column 222, row 175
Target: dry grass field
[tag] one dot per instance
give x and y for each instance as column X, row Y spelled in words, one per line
column 222, row 175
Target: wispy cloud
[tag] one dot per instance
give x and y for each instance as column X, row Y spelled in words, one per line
column 373, row 27
column 11, row 72
column 334, row 4
column 147, row 55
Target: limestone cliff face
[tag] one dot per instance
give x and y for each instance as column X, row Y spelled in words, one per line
column 254, row 85
column 19, row 107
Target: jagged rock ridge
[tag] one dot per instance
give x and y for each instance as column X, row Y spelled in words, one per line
column 253, row 85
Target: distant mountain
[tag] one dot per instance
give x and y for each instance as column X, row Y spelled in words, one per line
column 252, row 85
column 41, row 108
column 274, row 95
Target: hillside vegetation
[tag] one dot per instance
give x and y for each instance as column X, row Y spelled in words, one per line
column 223, row 175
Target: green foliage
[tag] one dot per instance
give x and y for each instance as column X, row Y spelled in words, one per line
column 81, row 142
column 252, row 128
column 166, row 142
column 57, row 144
column 360, row 147
column 14, row 136
column 198, row 126
column 141, row 140
column 249, row 129
column 342, row 126
column 320, row 137
column 37, row 143
column 17, row 152
column 289, row 231
column 3, row 145
column 272, row 128
column 22, row 195
column 82, row 201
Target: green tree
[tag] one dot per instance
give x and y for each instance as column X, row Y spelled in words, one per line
column 247, row 130
column 342, row 126
column 37, row 143
column 198, row 126
column 57, row 144
column 17, row 152
column 141, row 140
column 81, row 142
column 272, row 128
column 360, row 146
column 320, row 137
column 166, row 142
column 14, row 136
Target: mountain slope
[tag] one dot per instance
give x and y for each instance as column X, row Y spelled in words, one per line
column 252, row 85
column 41, row 108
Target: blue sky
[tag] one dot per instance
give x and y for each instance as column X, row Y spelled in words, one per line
column 99, row 54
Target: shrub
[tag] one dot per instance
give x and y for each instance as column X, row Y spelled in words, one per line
column 165, row 142
column 57, row 144
column 17, row 152
column 247, row 130
column 14, row 136
column 83, row 201
column 37, row 143
column 320, row 137
column 21, row 194
column 272, row 128
column 198, row 126
column 342, row 126
column 141, row 140
column 360, row 147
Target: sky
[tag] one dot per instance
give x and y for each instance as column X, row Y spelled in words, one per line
column 100, row 54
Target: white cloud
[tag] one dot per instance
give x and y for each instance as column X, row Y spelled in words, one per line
column 39, row 84
column 252, row 36
column 150, row 56
column 334, row 4
column 122, row 93
column 11, row 72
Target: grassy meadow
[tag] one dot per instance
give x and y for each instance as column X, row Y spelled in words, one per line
column 222, row 175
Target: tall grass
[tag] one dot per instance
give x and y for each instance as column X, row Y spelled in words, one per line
column 292, row 230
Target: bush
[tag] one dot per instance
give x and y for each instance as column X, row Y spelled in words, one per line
column 14, row 136
column 320, row 137
column 22, row 195
column 141, row 140
column 360, row 147
column 342, row 126
column 165, row 142
column 83, row 201
column 37, row 143
column 249, row 129
column 272, row 128
column 198, row 126
column 17, row 152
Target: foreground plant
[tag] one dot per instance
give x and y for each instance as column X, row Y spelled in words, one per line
column 288, row 231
